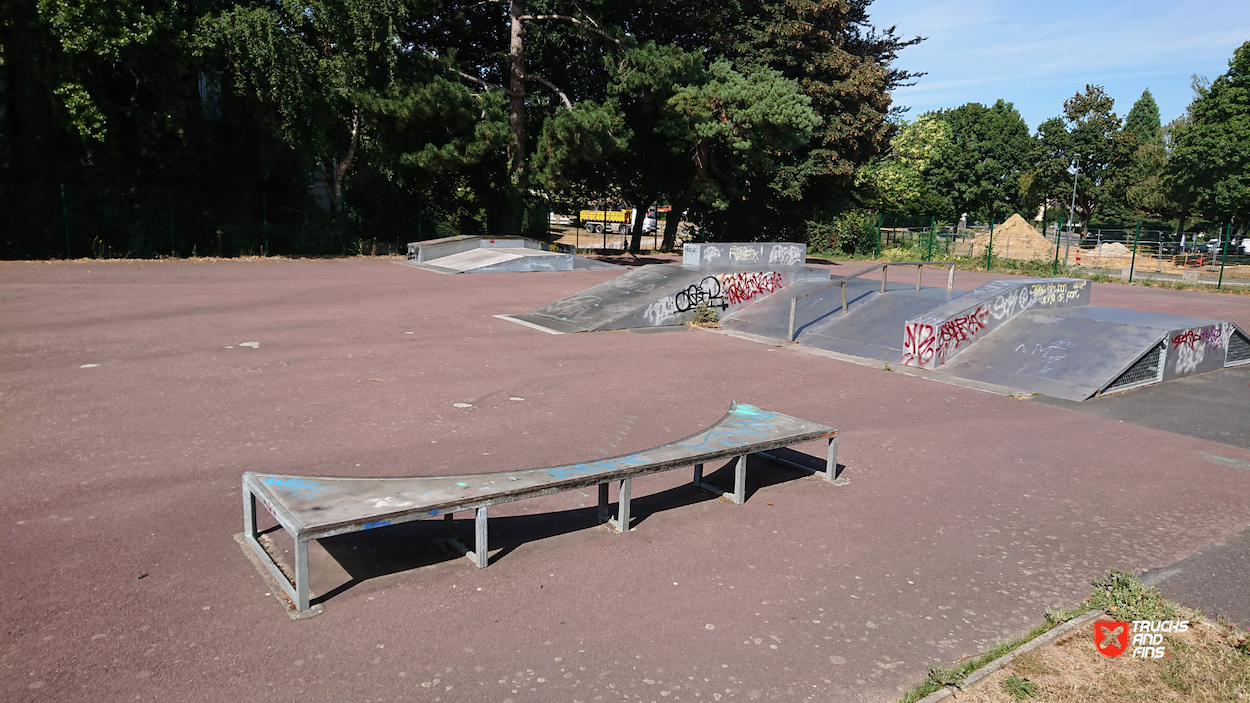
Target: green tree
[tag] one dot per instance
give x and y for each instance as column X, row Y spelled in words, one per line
column 1049, row 179
column 1211, row 159
column 896, row 183
column 847, row 67
column 1145, row 193
column 1089, row 137
column 979, row 167
column 110, row 102
column 1143, row 120
column 312, row 65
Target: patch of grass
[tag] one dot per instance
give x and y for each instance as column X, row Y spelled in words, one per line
column 1208, row 662
column 705, row 315
column 942, row 676
column 1122, row 595
column 1031, row 664
column 1019, row 688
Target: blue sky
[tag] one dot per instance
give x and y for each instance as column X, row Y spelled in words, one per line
column 1037, row 54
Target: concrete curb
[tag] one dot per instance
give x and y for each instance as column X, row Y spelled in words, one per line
column 1040, row 641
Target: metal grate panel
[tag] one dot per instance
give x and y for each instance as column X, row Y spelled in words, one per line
column 1238, row 350
column 1148, row 369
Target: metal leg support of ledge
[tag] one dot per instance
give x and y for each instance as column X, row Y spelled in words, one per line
column 739, row 494
column 297, row 591
column 831, row 463
column 621, row 522
column 480, row 554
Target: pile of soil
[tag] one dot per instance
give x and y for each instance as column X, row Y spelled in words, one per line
column 1016, row 239
column 1113, row 249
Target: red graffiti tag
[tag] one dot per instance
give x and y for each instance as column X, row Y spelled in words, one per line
column 1211, row 336
column 738, row 288
column 1189, row 338
column 956, row 331
column 927, row 346
column 918, row 340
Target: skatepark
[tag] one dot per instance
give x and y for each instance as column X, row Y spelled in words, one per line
column 137, row 394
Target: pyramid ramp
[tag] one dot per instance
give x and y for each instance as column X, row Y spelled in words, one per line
column 660, row 295
column 1077, row 353
column 937, row 335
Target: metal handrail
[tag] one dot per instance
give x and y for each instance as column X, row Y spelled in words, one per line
column 950, row 283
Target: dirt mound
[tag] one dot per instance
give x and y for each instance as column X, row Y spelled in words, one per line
column 1113, row 249
column 1016, row 239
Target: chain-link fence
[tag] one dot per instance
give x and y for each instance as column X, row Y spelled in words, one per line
column 143, row 222
column 1219, row 256
column 1216, row 257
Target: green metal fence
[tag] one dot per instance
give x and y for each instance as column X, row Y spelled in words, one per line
column 1217, row 255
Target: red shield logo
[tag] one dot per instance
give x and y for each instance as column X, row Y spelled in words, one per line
column 1111, row 637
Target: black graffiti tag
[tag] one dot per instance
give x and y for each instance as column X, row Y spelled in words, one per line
column 708, row 290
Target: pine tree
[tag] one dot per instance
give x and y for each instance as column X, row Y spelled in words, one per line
column 1143, row 120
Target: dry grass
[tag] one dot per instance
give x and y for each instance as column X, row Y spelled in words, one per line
column 1203, row 664
column 1208, row 662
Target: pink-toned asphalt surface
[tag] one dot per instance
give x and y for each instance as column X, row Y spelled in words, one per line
column 966, row 515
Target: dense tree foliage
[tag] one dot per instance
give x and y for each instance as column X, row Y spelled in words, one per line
column 1211, row 156
column 899, row 184
column 1143, row 120
column 148, row 127
column 978, row 168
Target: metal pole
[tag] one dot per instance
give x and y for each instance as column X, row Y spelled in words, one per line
column 264, row 213
column 1132, row 264
column 1072, row 210
column 794, row 303
column 989, row 250
column 1056, row 271
column 1224, row 256
column 65, row 214
column 877, row 249
column 843, row 287
column 950, row 278
column 884, row 272
column 932, row 234
column 169, row 193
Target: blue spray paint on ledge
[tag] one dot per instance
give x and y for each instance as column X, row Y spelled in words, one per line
column 379, row 523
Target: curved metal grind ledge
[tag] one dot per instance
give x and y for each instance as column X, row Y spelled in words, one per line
column 313, row 507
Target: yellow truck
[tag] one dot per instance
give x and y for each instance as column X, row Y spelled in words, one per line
column 610, row 221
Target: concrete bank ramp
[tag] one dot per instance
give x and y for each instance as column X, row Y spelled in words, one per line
column 659, row 295
column 872, row 326
column 1079, row 352
column 467, row 254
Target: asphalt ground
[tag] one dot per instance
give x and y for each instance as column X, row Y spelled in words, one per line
column 131, row 409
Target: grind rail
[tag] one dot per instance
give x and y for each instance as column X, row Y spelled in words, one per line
column 950, row 283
